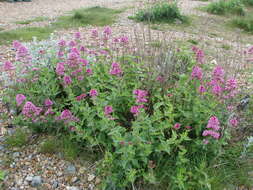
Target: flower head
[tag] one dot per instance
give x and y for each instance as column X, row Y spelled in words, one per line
column 233, row 122
column 177, row 126
column 67, row 80
column 93, row 93
column 108, row 110
column 8, row 66
column 81, row 97
column 202, row 89
column 218, row 73
column 197, row 73
column 77, row 35
column 213, row 123
column 48, row 102
column 60, row 68
column 20, row 98
column 115, row 69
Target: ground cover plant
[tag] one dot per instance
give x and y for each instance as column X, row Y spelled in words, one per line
column 245, row 23
column 223, row 7
column 167, row 124
column 80, row 17
column 161, row 12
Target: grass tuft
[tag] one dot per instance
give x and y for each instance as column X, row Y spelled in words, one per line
column 37, row 19
column 161, row 12
column 18, row 139
column 245, row 23
column 222, row 7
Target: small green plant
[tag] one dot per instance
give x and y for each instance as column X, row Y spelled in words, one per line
column 248, row 2
column 223, row 7
column 192, row 41
column 50, row 146
column 245, row 23
column 226, row 46
column 2, row 175
column 37, row 19
column 161, row 12
column 18, row 139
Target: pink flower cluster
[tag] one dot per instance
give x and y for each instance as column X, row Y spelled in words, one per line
column 213, row 127
column 20, row 99
column 67, row 116
column 115, row 69
column 141, row 97
column 81, row 97
column 199, row 54
column 8, row 66
column 30, row 110
column 93, row 93
column 108, row 111
column 197, row 73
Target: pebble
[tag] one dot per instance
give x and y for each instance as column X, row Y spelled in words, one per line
column 2, row 148
column 72, row 188
column 29, row 178
column 74, row 179
column 55, row 184
column 16, row 154
column 91, row 177
column 36, row 181
column 71, row 169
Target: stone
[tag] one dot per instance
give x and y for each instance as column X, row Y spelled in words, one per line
column 97, row 181
column 82, row 170
column 74, row 179
column 29, row 178
column 55, row 184
column 72, row 188
column 91, row 177
column 16, row 154
column 36, row 181
column 2, row 148
column 71, row 169
column 91, row 187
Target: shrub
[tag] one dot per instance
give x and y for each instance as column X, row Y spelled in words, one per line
column 245, row 23
column 162, row 123
column 161, row 12
column 223, row 7
column 248, row 2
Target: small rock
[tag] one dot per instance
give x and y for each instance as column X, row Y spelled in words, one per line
column 16, row 154
column 71, row 169
column 55, row 184
column 91, row 177
column 98, row 181
column 1, row 148
column 91, row 187
column 74, row 179
column 29, row 178
column 59, row 174
column 72, row 188
column 36, row 181
column 82, row 170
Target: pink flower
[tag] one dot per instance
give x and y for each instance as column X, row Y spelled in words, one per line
column 108, row 110
column 89, row 71
column 83, row 49
column 217, row 89
column 188, row 127
column 205, row 141
column 211, row 133
column 72, row 128
column 60, row 54
column 93, row 93
column 66, row 114
column 124, row 39
column 83, row 61
column 67, row 80
column 140, row 96
column 213, row 123
column 20, row 98
column 72, row 43
column 107, row 30
column 29, row 110
column 80, row 78
column 231, row 84
column 49, row 111
column 48, row 102
column 77, row 35
column 94, row 33
column 81, row 97
column 177, row 126
column 202, row 89
column 8, row 66
column 22, row 52
column 62, row 43
column 197, row 73
column 60, row 68
column 16, row 44
column 115, row 69
column 218, row 73
column 135, row 110
column 233, row 122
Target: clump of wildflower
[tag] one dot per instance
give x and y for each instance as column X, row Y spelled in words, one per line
column 107, row 30
column 16, row 44
column 20, row 98
column 197, row 73
column 72, row 43
column 218, row 73
column 48, row 102
column 81, row 97
column 67, row 116
column 77, row 35
column 8, row 66
column 107, row 111
column 62, row 43
column 115, row 69
column 49, row 111
column 199, row 54
column 124, row 40
column 60, row 68
column 213, row 123
column 136, row 109
column 93, row 93
column 29, row 110
column 214, row 134
column 67, row 80
column 141, row 96
column 231, row 84
column 89, row 71
column 217, row 89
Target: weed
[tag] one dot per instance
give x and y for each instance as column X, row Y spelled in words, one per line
column 50, row 146
column 161, row 12
column 18, row 139
column 245, row 23
column 226, row 46
column 222, row 7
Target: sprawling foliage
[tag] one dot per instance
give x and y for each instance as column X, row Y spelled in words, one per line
column 162, row 124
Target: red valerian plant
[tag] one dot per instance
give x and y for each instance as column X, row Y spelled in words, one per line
column 103, row 98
